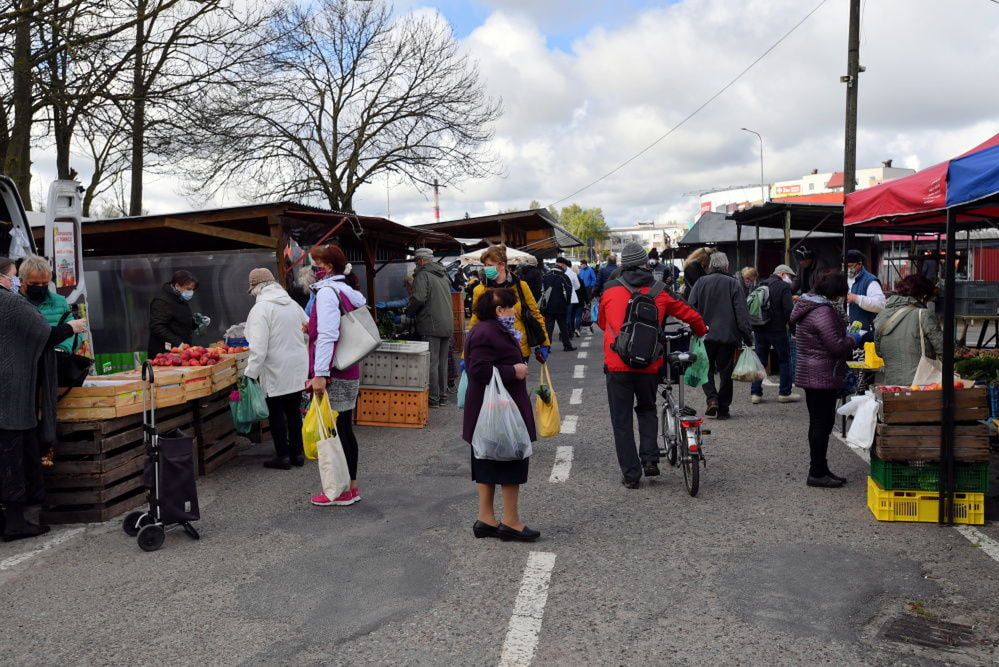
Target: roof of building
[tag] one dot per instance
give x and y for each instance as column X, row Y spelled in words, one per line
column 713, row 228
column 489, row 228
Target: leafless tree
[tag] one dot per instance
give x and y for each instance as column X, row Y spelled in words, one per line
column 345, row 92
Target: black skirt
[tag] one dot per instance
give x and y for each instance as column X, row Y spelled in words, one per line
column 499, row 472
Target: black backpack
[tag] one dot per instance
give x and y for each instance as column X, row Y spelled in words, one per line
column 639, row 343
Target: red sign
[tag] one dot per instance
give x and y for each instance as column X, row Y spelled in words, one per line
column 705, row 207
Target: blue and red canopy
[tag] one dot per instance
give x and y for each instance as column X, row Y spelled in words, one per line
column 970, row 181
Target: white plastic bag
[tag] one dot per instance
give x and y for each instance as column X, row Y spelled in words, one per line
column 749, row 368
column 500, row 433
column 333, row 471
column 865, row 420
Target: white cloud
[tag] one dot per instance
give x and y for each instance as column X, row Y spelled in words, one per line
column 573, row 114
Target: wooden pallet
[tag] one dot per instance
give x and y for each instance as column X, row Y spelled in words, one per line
column 924, row 407
column 902, row 442
column 215, row 434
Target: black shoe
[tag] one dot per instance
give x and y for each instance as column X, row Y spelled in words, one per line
column 508, row 534
column 481, row 529
column 825, row 482
column 841, row 480
column 712, row 410
column 29, row 530
column 629, row 483
column 278, row 463
column 724, row 415
column 651, row 469
column 569, row 348
column 298, row 461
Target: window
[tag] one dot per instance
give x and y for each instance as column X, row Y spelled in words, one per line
column 811, row 186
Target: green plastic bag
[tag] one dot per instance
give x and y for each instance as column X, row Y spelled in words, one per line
column 248, row 405
column 697, row 373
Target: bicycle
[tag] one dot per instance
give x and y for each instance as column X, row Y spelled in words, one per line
column 680, row 427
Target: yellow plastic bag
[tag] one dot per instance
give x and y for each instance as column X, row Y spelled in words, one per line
column 549, row 421
column 312, row 430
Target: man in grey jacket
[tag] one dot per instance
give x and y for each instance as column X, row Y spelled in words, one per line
column 720, row 300
column 430, row 307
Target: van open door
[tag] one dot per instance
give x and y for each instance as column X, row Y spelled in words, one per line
column 16, row 241
column 64, row 250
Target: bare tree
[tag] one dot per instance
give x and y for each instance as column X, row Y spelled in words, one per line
column 344, row 93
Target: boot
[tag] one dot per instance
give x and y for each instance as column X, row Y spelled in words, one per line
column 15, row 527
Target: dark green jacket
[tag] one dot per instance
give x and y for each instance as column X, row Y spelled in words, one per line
column 896, row 338
column 430, row 305
column 54, row 308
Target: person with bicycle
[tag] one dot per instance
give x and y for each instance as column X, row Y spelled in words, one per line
column 632, row 374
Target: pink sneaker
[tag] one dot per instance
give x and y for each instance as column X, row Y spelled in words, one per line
column 321, row 500
column 357, row 494
column 348, row 497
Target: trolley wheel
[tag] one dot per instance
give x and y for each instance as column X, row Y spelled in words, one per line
column 134, row 521
column 151, row 537
column 191, row 531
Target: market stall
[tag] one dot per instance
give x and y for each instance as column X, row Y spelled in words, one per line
column 959, row 194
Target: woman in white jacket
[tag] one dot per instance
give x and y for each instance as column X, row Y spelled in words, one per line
column 279, row 360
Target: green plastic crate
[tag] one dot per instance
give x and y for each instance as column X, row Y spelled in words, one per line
column 115, row 362
column 925, row 476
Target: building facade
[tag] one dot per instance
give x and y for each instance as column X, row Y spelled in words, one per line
column 658, row 235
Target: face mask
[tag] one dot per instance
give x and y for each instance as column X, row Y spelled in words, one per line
column 187, row 295
column 491, row 273
column 320, row 272
column 37, row 293
column 15, row 283
column 507, row 320
column 852, row 272
column 786, row 278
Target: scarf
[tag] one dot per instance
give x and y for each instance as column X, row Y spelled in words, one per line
column 508, row 323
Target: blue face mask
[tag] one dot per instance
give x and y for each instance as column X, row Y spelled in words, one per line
column 15, row 284
column 187, row 295
column 491, row 273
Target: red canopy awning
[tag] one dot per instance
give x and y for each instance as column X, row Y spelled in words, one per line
column 917, row 199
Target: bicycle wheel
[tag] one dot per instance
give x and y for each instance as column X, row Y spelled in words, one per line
column 668, row 429
column 691, row 463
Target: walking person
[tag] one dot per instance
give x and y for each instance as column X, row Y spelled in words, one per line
column 333, row 294
column 587, row 282
column 430, row 307
column 606, row 273
column 532, row 275
column 906, row 329
column 770, row 332
column 574, row 300
column 866, row 298
column 750, row 279
column 495, row 342
column 279, row 361
column 824, row 347
column 556, row 293
column 719, row 298
column 497, row 275
column 634, row 389
column 808, row 268
column 695, row 267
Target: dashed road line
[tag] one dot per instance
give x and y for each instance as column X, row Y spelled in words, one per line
column 583, row 355
column 528, row 611
column 563, row 464
column 585, row 343
column 577, row 396
column 569, row 423
column 54, row 541
column 579, row 373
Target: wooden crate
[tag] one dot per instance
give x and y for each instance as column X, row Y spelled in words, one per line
column 169, row 375
column 94, row 512
column 197, row 388
column 392, row 407
column 923, row 407
column 98, row 399
column 458, row 311
column 215, row 435
column 903, row 442
column 224, row 380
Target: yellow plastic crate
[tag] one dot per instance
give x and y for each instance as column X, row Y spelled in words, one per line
column 922, row 506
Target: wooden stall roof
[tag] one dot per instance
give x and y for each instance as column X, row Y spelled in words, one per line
column 532, row 230
column 807, row 217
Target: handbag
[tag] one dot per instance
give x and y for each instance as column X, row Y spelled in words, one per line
column 535, row 332
column 72, row 369
column 359, row 334
column 929, row 371
column 334, row 474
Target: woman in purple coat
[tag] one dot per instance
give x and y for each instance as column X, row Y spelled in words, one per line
column 495, row 342
column 824, row 347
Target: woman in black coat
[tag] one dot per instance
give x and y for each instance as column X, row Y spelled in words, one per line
column 170, row 317
column 494, row 342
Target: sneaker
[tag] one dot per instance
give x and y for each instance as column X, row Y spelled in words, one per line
column 756, row 400
column 321, row 500
column 434, row 404
column 790, row 398
column 651, row 470
column 357, row 493
column 348, row 497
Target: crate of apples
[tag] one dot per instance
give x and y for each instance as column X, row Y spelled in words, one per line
column 229, row 349
column 188, row 355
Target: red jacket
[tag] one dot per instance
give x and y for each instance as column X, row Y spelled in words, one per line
column 614, row 306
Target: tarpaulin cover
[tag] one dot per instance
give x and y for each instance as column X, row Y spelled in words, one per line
column 923, row 195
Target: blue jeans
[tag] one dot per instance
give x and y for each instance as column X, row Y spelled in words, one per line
column 781, row 344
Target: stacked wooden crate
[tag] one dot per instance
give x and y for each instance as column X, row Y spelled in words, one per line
column 214, row 431
column 225, row 373
column 100, row 398
column 905, row 473
column 395, row 386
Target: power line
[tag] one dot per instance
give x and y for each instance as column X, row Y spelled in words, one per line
column 698, row 109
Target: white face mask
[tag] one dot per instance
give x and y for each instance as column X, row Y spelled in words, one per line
column 786, row 278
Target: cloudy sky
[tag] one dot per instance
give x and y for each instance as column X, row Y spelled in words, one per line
column 586, row 85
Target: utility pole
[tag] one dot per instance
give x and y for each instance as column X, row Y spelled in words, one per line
column 437, row 202
column 852, row 81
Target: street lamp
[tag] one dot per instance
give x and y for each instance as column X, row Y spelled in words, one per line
column 763, row 194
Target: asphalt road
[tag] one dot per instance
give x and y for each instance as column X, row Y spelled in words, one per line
column 758, row 569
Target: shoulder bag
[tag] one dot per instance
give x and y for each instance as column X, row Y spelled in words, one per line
column 929, row 371
column 535, row 332
column 359, row 334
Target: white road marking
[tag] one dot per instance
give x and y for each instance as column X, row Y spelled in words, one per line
column 54, row 541
column 979, row 539
column 585, row 343
column 579, row 373
column 583, row 355
column 989, row 546
column 563, row 464
column 577, row 396
column 569, row 424
column 528, row 611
